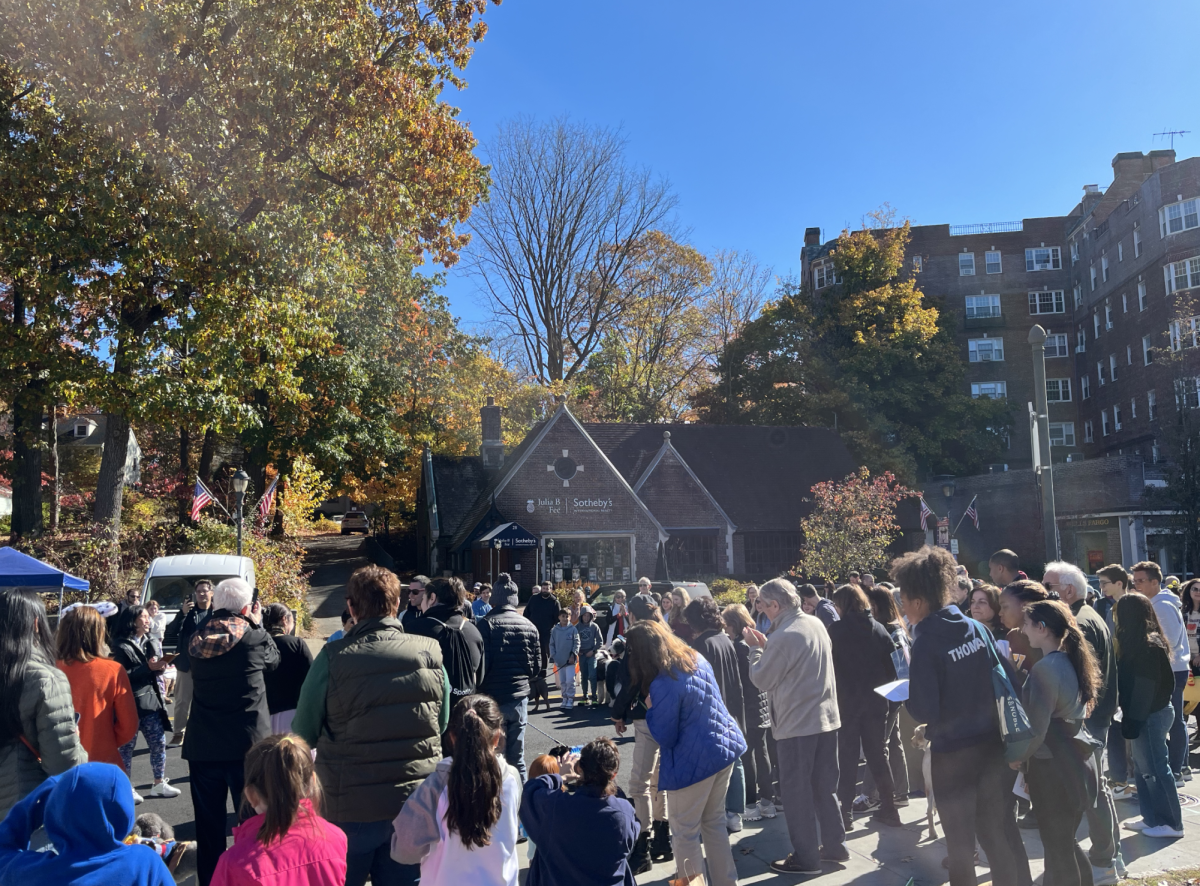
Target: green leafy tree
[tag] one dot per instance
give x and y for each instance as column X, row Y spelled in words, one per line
column 852, row 524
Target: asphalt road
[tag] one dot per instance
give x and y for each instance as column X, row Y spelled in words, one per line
column 331, row 560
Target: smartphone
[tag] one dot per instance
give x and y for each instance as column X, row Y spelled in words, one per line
column 254, row 599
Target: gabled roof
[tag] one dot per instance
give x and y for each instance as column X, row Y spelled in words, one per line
column 665, row 450
column 457, row 482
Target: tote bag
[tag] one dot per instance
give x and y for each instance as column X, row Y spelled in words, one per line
column 1015, row 727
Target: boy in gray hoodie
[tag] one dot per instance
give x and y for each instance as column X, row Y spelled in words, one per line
column 564, row 652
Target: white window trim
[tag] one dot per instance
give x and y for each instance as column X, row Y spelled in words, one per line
column 1001, row 393
column 992, row 305
column 1061, row 346
column 961, row 268
column 1085, row 387
column 1164, row 216
column 987, row 261
column 1089, row 435
column 1141, row 290
column 1054, row 258
column 1117, row 423
column 1065, row 429
column 1147, row 350
column 1191, row 274
column 1060, row 386
column 973, row 350
column 1058, row 302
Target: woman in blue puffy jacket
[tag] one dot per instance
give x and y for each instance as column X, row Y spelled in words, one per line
column 699, row 742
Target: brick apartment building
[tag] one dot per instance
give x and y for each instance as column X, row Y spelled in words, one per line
column 1105, row 281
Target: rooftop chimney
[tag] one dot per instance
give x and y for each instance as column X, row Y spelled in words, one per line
column 812, row 236
column 492, row 449
column 1091, row 189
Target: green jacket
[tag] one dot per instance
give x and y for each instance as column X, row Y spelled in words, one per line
column 374, row 705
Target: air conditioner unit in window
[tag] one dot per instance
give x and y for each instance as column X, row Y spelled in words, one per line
column 1080, row 349
column 999, row 468
column 985, row 356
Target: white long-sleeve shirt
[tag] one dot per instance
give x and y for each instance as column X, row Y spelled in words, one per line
column 1170, row 617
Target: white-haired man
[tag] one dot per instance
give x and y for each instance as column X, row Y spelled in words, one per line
column 228, row 655
column 1103, row 824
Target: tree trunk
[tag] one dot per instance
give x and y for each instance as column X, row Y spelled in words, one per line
column 208, row 451
column 27, row 517
column 56, row 504
column 110, row 488
column 185, row 462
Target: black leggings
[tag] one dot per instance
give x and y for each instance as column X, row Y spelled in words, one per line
column 866, row 725
column 757, row 766
column 1059, row 805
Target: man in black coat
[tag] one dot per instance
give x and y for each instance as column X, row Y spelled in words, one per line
column 442, row 615
column 512, row 654
column 229, row 656
column 542, row 610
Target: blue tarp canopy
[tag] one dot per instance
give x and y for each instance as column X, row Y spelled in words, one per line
column 22, row 570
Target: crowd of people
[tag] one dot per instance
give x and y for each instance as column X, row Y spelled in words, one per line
column 397, row 753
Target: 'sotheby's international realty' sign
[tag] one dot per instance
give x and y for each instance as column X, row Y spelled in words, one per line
column 570, row 505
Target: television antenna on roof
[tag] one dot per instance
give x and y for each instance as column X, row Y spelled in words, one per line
column 1171, row 133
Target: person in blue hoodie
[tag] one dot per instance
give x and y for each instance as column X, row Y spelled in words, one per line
column 950, row 690
column 87, row 812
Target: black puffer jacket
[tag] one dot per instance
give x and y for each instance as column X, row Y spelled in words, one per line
column 758, row 711
column 146, row 692
column 512, row 654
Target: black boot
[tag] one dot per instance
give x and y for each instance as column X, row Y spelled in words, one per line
column 639, row 859
column 660, row 849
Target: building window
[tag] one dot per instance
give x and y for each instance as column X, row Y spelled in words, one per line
column 1096, row 325
column 1100, row 372
column 1112, row 367
column 1108, row 317
column 1058, row 390
column 1088, row 436
column 1124, row 303
column 1062, row 433
column 1104, row 267
column 1080, row 340
column 693, row 554
column 1092, row 270
column 1141, row 296
column 1078, row 296
column 1179, row 217
column 1182, row 275
column 917, row 263
column 823, row 275
column 1085, row 387
column 1047, row 302
column 983, row 306
column 1183, row 333
column 1147, row 351
column 1191, row 396
column 991, row 262
column 1151, row 406
column 994, row 390
column 966, row 264
column 1154, row 453
column 1074, row 252
column 1104, row 429
column 769, row 553
column 1056, row 345
column 1120, row 252
column 985, row 350
column 1129, row 355
column 1043, row 259
column 1117, row 418
column 81, row 429
column 1133, row 407
column 1137, row 244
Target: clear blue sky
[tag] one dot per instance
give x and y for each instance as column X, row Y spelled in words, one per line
column 768, row 117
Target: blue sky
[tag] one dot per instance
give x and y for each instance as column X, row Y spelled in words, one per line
column 771, row 117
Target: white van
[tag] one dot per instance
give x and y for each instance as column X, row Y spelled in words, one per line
column 171, row 580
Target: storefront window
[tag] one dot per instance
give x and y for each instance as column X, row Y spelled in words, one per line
column 692, row 557
column 1091, row 551
column 592, row 559
column 1166, row 549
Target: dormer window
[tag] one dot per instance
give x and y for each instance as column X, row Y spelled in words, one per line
column 82, row 429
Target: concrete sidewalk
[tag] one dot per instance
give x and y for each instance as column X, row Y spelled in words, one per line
column 883, row 856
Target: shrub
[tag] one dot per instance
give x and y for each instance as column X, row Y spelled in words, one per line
column 278, row 562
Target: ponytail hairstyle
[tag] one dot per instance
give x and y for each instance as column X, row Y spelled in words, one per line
column 280, row 769
column 1027, row 591
column 1056, row 617
column 473, row 790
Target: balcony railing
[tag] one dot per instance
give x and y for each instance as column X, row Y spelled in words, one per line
column 987, row 228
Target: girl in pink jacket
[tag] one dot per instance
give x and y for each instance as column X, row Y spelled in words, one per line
column 286, row 843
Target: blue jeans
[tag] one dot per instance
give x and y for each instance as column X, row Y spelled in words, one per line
column 587, row 675
column 735, row 797
column 1118, row 764
column 1157, row 798
column 516, row 718
column 1177, row 739
column 368, row 853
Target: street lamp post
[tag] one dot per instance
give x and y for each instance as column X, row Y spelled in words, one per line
column 496, row 544
column 240, row 481
column 550, row 559
column 1040, row 420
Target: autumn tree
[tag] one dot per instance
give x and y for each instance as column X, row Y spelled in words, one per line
column 852, row 524
column 564, row 220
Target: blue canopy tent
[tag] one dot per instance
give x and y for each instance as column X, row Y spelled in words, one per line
column 19, row 570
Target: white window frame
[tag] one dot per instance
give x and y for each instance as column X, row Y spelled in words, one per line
column 1133, row 408
column 824, row 275
column 917, row 263
column 1175, row 218
column 963, row 259
column 1089, row 435
column 1074, row 251
column 1104, row 267
column 1062, row 433
column 987, row 262
column 1100, row 372
column 1112, row 367
column 1058, row 390
column 1185, row 272
column 1129, row 355
column 1105, row 430
column 1080, row 340
column 1124, row 303
column 1057, row 345
column 1085, row 387
column 1096, row 324
column 1151, row 405
column 1117, row 425
column 1137, row 244
column 999, row 390
column 1120, row 251
column 1147, row 349
column 1141, row 295
column 1092, row 268
column 1188, row 328
column 1078, row 292
column 982, row 306
column 1051, row 261
column 1108, row 316
column 1050, row 301
column 994, row 346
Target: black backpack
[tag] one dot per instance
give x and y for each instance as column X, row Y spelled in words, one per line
column 456, row 656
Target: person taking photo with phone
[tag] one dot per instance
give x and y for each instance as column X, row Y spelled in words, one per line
column 192, row 615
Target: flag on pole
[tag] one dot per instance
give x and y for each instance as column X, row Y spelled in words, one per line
column 925, row 514
column 201, row 498
column 972, row 513
column 268, row 500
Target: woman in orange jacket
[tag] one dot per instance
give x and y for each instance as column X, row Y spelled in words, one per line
column 100, row 688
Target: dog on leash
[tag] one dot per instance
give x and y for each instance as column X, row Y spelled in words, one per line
column 921, row 743
column 539, row 691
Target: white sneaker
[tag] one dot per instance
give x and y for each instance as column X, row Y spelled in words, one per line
column 1104, row 876
column 1119, row 864
column 138, row 798
column 733, row 822
column 165, row 789
column 1134, row 824
column 1163, row 830
column 1125, row 792
column 752, row 814
column 766, row 809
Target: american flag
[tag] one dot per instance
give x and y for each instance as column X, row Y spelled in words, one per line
column 268, row 500
column 972, row 513
column 201, row 497
column 925, row 514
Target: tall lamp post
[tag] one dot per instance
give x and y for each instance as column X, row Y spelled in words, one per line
column 496, row 544
column 240, row 481
column 549, row 560
column 1040, row 427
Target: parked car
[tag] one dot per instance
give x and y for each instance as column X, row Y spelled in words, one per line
column 356, row 521
column 601, row 599
column 171, row 580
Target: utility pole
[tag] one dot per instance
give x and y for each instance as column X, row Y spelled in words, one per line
column 1040, row 420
